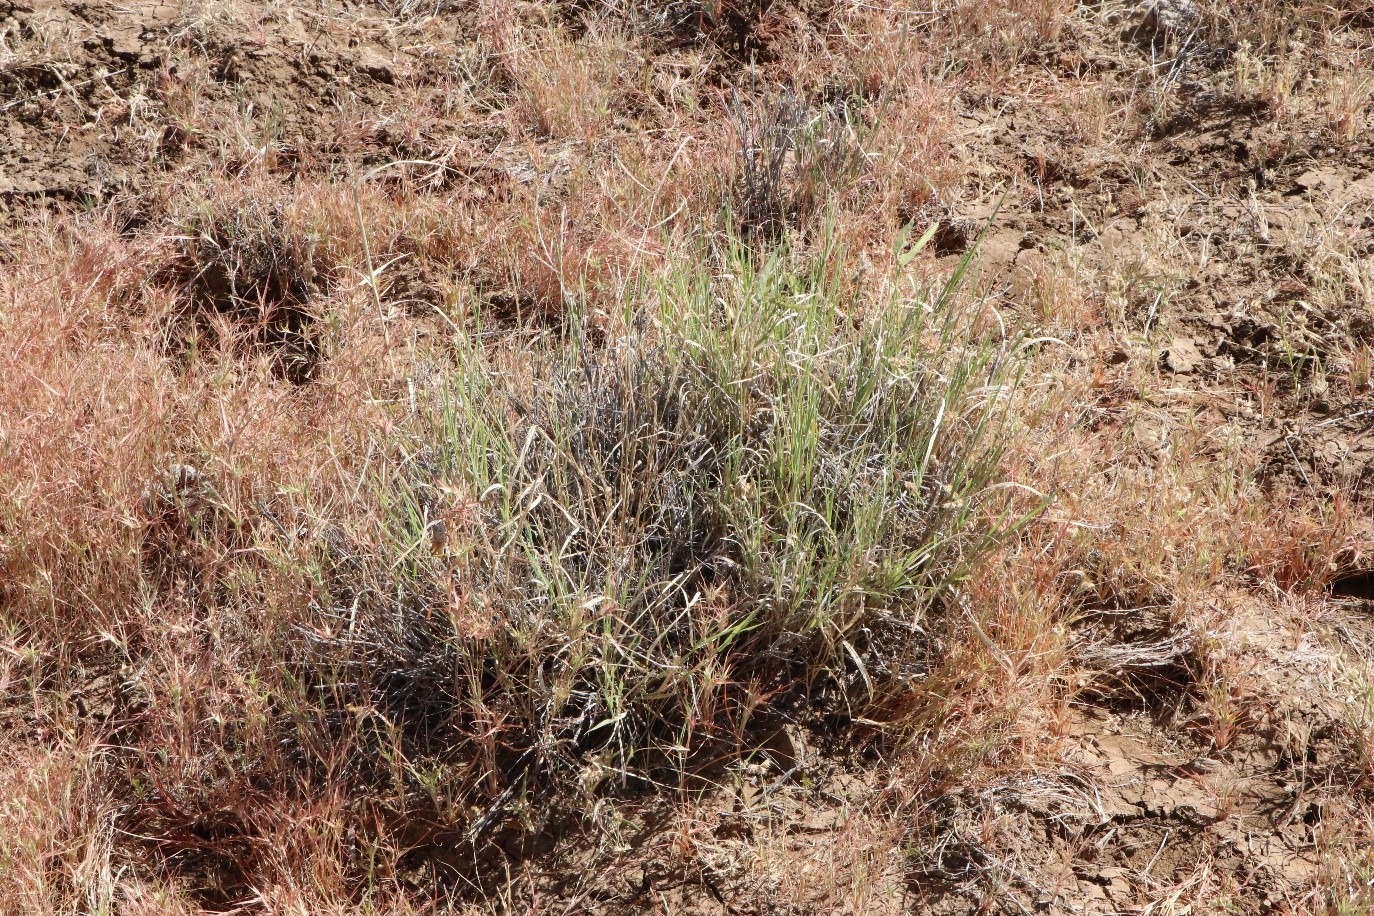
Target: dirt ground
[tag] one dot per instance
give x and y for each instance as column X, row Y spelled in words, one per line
column 1190, row 234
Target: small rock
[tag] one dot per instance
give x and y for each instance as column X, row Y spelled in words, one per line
column 1315, row 181
column 1201, row 766
column 1119, row 890
column 1183, row 356
column 1161, row 18
column 997, row 252
column 125, row 45
column 373, row 65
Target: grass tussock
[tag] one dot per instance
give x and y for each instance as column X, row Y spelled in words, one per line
column 248, row 281
column 748, row 506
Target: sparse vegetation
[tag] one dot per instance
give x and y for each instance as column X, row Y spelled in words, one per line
column 686, row 457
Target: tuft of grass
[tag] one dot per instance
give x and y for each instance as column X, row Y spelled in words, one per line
column 791, row 160
column 616, row 561
column 249, row 280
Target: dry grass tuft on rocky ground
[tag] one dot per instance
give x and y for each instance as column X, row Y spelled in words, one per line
column 617, row 456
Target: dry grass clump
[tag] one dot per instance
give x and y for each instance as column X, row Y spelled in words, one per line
column 792, row 162
column 640, row 552
column 144, row 610
column 249, row 281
